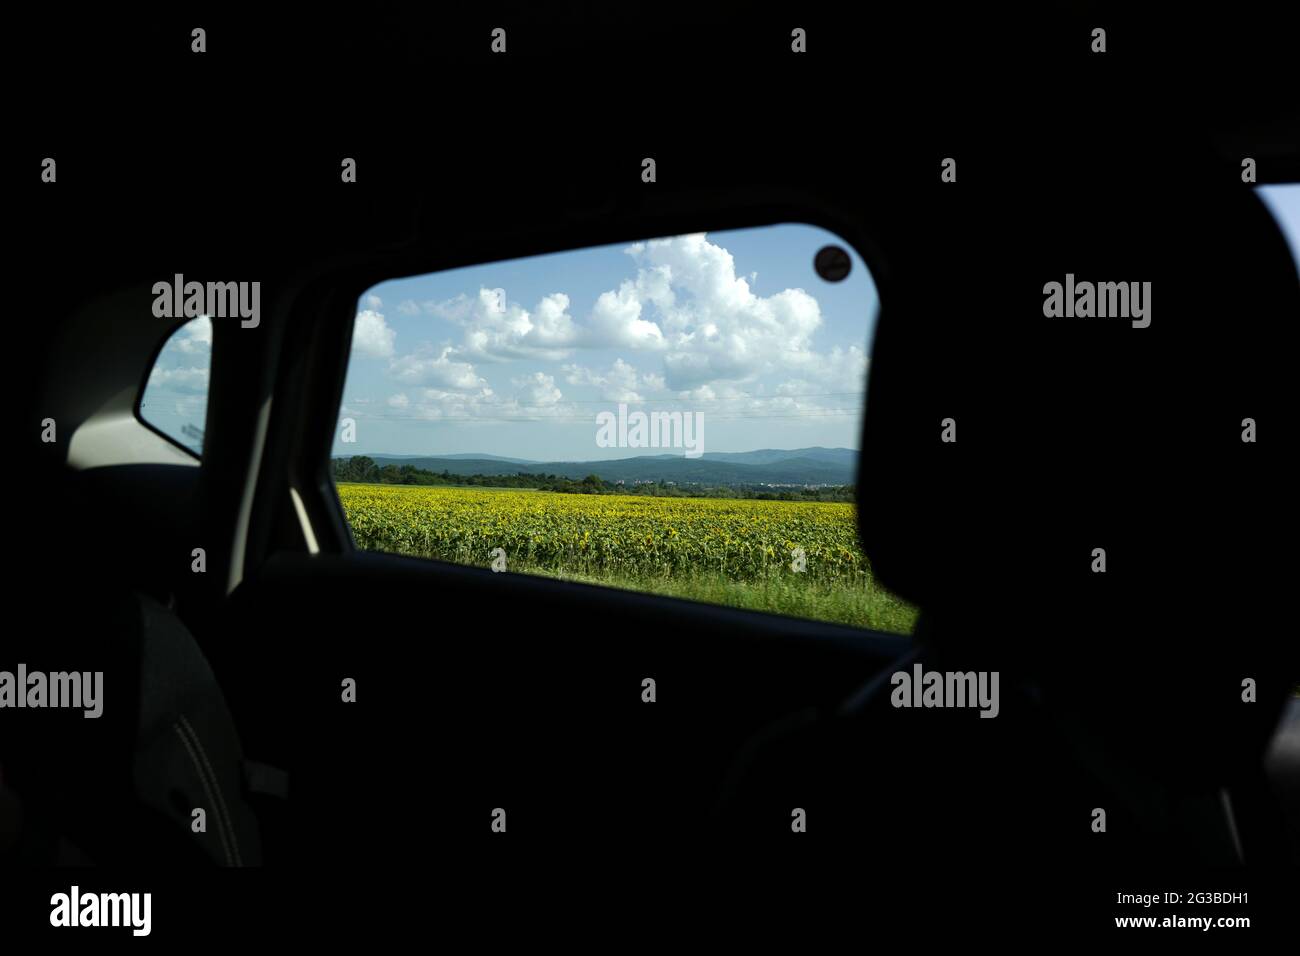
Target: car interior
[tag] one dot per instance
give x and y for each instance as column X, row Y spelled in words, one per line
column 226, row 603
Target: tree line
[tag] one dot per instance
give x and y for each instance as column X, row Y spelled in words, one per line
column 364, row 469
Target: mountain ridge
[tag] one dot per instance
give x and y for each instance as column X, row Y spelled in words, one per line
column 815, row 465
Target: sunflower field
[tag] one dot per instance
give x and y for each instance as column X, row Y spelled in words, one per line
column 787, row 557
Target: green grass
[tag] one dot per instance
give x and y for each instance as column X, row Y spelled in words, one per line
column 869, row 607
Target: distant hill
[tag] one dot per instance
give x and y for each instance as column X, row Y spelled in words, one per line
column 490, row 458
column 799, row 466
column 409, row 459
column 766, row 456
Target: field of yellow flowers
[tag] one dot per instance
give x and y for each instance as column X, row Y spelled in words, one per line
column 741, row 552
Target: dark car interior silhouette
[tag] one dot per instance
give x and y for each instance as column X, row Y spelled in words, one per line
column 477, row 690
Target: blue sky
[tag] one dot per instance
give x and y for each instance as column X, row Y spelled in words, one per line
column 518, row 358
column 175, row 399
column 1283, row 201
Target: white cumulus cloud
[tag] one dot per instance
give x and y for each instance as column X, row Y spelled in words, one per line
column 372, row 336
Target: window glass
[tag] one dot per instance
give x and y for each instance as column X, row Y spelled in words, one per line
column 1283, row 201
column 679, row 416
column 175, row 397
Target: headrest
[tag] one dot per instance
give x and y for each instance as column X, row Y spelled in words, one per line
column 1099, row 523
column 1075, row 432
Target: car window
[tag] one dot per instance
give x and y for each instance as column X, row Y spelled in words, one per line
column 679, row 416
column 174, row 401
column 1283, row 201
